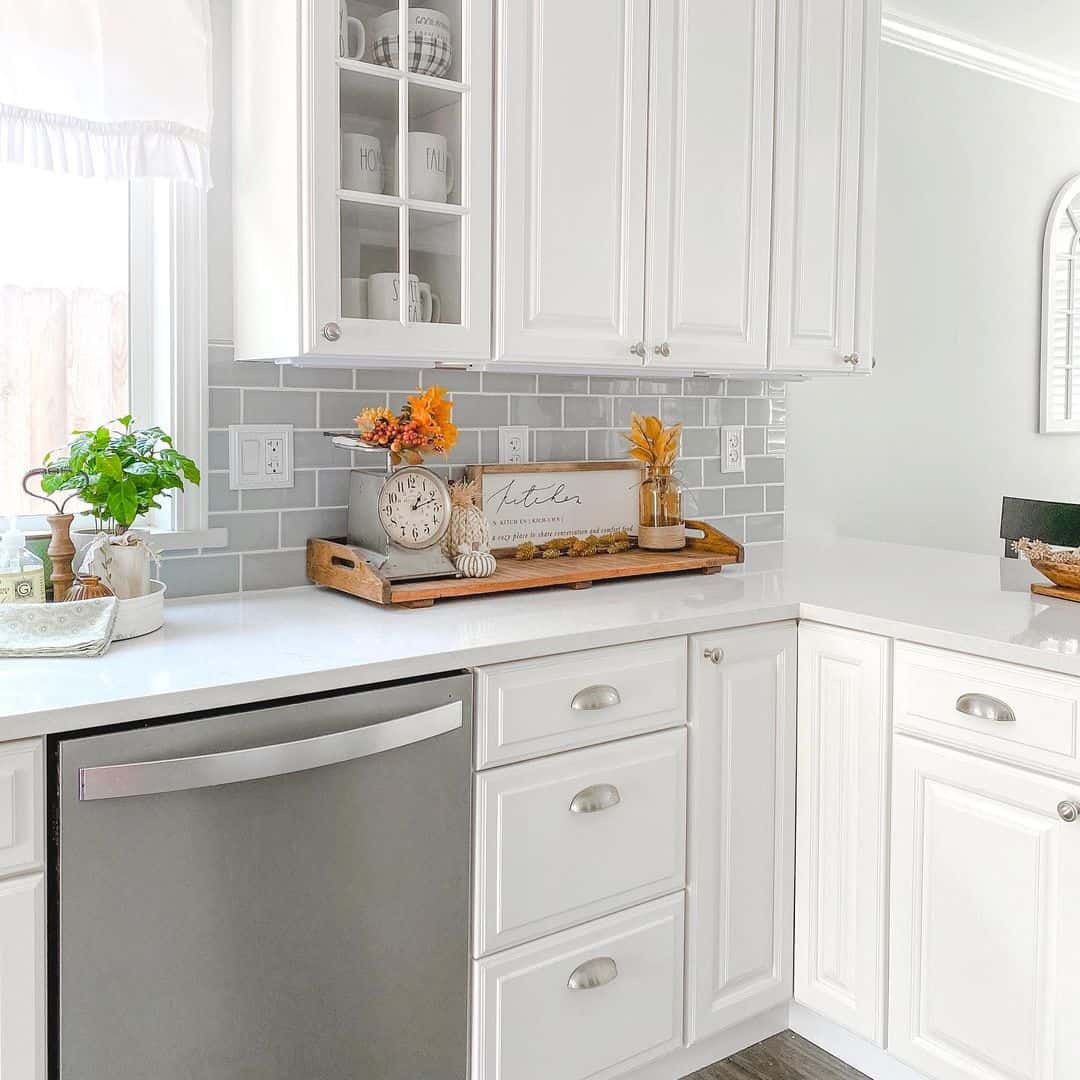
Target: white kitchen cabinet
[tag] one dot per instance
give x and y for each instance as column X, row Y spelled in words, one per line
column 526, row 708
column 591, row 1003
column 698, row 196
column 22, row 806
column 573, row 85
column 310, row 224
column 741, row 852
column 825, row 185
column 22, row 978
column 984, row 972
column 841, row 860
column 710, row 183
column 574, row 836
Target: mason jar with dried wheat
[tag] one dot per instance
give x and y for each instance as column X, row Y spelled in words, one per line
column 660, row 518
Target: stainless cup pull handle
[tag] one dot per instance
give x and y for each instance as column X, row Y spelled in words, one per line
column 595, row 697
column 984, row 707
column 593, row 973
column 1069, row 811
column 592, row 800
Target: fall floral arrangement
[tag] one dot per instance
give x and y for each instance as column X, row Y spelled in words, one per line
column 422, row 427
column 651, row 442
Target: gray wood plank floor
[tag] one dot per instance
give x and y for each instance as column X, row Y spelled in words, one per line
column 783, row 1057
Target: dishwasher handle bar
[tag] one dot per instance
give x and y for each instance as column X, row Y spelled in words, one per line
column 258, row 762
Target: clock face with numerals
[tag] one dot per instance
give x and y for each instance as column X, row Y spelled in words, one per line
column 414, row 507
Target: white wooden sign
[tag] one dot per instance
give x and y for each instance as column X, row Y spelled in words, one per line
column 544, row 501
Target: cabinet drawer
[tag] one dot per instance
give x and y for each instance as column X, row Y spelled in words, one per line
column 627, row 1009
column 1014, row 713
column 535, row 707
column 578, row 835
column 22, row 812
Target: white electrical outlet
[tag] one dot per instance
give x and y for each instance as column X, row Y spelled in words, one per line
column 513, row 445
column 260, row 456
column 732, row 458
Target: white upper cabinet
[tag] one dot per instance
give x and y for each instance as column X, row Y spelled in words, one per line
column 710, row 183
column 362, row 180
column 695, row 194
column 826, row 153
column 572, row 109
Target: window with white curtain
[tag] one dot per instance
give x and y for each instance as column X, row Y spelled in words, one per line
column 1061, row 315
column 104, row 165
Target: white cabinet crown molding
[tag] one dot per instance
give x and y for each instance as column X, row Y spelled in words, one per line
column 944, row 43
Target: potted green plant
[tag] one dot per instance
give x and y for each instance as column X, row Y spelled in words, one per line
column 120, row 473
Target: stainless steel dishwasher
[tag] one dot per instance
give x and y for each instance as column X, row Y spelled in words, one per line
column 273, row 893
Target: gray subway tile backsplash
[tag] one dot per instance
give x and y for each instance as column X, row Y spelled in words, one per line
column 537, row 410
column 274, row 569
column 571, row 417
column 296, row 407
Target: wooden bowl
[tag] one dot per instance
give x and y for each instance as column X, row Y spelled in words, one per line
column 1060, row 573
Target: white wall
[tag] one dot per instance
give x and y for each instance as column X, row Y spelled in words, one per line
column 924, row 450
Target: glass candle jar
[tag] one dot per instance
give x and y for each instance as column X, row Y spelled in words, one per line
column 660, row 520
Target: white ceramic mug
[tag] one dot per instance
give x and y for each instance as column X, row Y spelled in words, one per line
column 430, row 304
column 430, row 41
column 431, row 167
column 352, row 37
column 384, row 297
column 354, row 297
column 361, row 163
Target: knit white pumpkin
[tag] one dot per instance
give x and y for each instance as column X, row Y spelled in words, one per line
column 468, row 527
column 476, row 564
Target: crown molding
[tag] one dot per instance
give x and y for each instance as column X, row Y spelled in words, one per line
column 927, row 38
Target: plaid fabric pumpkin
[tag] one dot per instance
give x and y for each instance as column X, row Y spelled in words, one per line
column 428, row 53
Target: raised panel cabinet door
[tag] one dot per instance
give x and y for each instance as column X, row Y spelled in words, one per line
column 710, row 183
column 825, row 183
column 741, row 850
column 573, row 86
column 985, row 943
column 841, row 862
column 22, row 978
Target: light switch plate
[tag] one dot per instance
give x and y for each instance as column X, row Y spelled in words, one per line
column 260, row 456
column 513, row 445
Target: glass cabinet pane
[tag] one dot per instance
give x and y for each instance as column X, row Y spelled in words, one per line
column 435, row 266
column 369, row 133
column 370, row 262
column 434, row 150
column 365, row 29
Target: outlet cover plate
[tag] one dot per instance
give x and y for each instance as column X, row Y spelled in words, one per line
column 513, row 445
column 260, row 456
column 732, row 449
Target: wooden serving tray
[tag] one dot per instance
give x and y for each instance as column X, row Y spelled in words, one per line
column 1062, row 592
column 337, row 565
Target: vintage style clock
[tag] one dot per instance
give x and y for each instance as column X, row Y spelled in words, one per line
column 398, row 518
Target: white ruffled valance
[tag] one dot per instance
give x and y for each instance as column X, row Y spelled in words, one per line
column 107, row 88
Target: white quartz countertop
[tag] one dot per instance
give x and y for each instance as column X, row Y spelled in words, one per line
column 231, row 650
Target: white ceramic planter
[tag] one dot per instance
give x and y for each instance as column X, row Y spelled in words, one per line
column 125, row 568
column 141, row 614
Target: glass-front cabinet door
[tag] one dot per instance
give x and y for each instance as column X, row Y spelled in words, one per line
column 400, row 199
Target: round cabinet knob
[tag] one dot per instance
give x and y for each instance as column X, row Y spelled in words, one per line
column 853, row 359
column 638, row 350
column 1069, row 810
column 331, row 331
column 662, row 350
column 715, row 655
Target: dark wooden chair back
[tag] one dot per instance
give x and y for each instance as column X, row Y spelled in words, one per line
column 1051, row 522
